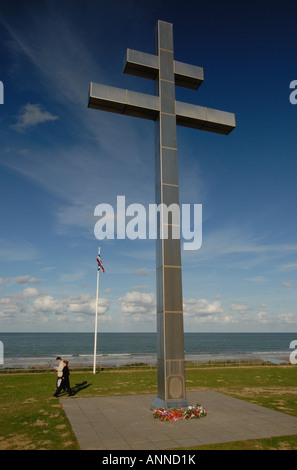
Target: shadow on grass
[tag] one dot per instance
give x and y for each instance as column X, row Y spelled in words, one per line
column 78, row 387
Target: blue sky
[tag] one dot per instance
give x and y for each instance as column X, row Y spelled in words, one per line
column 59, row 159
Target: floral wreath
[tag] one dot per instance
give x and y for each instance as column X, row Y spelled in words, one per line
column 174, row 414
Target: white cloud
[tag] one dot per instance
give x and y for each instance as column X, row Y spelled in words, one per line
column 26, row 280
column 262, row 317
column 82, row 304
column 31, row 305
column 205, row 311
column 289, row 318
column 5, row 280
column 220, row 319
column 31, row 115
column 289, row 267
column 48, row 304
column 144, row 272
column 257, row 279
column 86, row 304
column 240, row 308
column 238, row 243
column 13, row 305
column 30, row 292
column 65, row 67
column 140, row 305
column 287, row 284
column 202, row 307
column 8, row 307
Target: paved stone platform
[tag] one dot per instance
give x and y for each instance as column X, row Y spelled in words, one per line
column 126, row 422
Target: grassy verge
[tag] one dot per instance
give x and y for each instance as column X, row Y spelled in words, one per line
column 31, row 418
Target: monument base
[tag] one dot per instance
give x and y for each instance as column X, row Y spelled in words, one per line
column 167, row 404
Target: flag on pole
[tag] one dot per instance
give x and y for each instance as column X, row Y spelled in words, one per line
column 100, row 265
column 100, row 268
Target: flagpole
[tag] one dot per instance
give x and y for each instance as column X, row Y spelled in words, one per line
column 96, row 319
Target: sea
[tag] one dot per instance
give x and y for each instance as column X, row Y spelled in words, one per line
column 39, row 350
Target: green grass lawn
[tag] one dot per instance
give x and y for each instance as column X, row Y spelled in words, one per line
column 31, row 418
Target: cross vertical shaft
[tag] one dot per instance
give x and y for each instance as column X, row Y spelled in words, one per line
column 167, row 113
column 170, row 331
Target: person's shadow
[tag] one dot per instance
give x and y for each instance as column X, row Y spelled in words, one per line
column 81, row 386
column 78, row 387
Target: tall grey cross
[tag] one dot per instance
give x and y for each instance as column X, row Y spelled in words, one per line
column 167, row 113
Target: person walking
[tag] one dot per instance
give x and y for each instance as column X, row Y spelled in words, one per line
column 59, row 370
column 65, row 383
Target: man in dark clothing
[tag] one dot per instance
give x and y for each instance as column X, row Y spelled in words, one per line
column 65, row 384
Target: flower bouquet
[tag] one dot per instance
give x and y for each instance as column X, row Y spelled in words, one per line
column 174, row 414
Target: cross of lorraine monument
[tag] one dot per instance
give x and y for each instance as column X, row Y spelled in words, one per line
column 167, row 113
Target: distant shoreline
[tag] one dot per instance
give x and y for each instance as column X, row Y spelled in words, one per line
column 132, row 361
column 25, row 350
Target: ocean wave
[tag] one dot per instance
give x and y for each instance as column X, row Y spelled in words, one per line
column 118, row 360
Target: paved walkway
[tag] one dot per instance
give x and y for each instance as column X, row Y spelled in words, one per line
column 126, row 422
